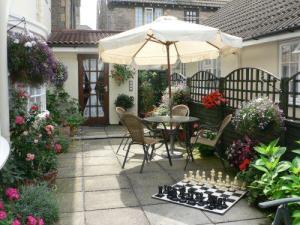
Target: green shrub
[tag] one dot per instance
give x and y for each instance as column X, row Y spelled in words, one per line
column 38, row 201
column 124, row 101
column 122, row 73
column 205, row 151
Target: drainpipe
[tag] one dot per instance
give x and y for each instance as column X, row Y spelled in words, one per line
column 4, row 98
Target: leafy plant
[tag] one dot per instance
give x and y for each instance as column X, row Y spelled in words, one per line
column 75, row 120
column 60, row 76
column 121, row 73
column 205, row 150
column 275, row 178
column 258, row 115
column 38, row 201
column 124, row 101
column 10, row 174
column 181, row 95
column 241, row 153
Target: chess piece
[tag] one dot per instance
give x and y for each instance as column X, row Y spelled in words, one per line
column 219, row 180
column 227, row 181
column 203, row 177
column 198, row 177
column 191, row 175
column 185, row 178
column 236, row 183
column 165, row 189
column 160, row 192
column 231, row 187
column 212, row 176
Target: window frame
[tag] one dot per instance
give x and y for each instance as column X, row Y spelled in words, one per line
column 139, row 18
column 35, row 96
column 145, row 14
column 214, row 65
column 191, row 18
column 280, row 63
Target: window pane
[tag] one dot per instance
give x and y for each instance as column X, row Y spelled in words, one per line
column 138, row 16
column 158, row 12
column 148, row 15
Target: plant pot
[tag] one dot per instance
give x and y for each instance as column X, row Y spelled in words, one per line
column 50, row 177
column 65, row 130
column 73, row 131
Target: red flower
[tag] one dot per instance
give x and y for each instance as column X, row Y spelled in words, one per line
column 58, row 148
column 12, row 194
column 34, row 108
column 245, row 164
column 213, row 99
column 20, row 120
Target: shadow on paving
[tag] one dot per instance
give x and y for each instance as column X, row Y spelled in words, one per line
column 94, row 189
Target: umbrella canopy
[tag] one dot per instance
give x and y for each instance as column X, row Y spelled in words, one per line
column 164, row 42
column 146, row 45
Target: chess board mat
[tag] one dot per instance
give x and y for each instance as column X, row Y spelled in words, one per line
column 232, row 196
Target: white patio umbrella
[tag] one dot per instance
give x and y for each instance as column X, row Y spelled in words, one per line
column 165, row 41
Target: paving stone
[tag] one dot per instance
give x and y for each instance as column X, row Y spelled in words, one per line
column 135, row 167
column 240, row 211
column 70, row 202
column 69, row 172
column 144, row 195
column 166, row 214
column 98, row 153
column 93, row 161
column 102, row 170
column 69, row 155
column 105, row 183
column 69, row 184
column 70, row 162
column 249, row 222
column 76, row 218
column 150, row 179
column 126, row 216
column 110, row 199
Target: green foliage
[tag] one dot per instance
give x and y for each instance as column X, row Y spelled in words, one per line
column 38, row 201
column 63, row 108
column 10, row 174
column 121, row 73
column 275, row 178
column 181, row 95
column 151, row 87
column 205, row 150
column 124, row 101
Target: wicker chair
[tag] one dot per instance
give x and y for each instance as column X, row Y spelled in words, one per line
column 180, row 110
column 214, row 142
column 120, row 111
column 135, row 128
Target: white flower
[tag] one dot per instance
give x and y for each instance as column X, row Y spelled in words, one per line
column 33, row 43
column 16, row 41
column 36, row 141
column 25, row 133
column 28, row 44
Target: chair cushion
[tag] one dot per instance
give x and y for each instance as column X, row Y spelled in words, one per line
column 204, row 141
column 151, row 141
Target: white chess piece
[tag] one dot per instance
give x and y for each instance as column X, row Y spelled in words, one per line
column 191, row 174
column 203, row 177
column 236, row 183
column 227, row 181
column 219, row 180
column 212, row 176
column 198, row 177
column 243, row 187
column 185, row 178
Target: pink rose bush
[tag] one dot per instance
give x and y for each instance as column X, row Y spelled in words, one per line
column 12, row 194
column 20, row 120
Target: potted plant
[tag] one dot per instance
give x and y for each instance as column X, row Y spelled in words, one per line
column 213, row 100
column 260, row 119
column 121, row 73
column 74, row 121
column 124, row 101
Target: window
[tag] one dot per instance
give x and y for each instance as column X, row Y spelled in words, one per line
column 191, row 16
column 180, row 68
column 289, row 62
column 211, row 65
column 139, row 16
column 157, row 13
column 146, row 15
column 37, row 96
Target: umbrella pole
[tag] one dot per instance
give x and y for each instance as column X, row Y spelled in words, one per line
column 169, row 78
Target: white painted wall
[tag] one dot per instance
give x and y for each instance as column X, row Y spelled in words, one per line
column 70, row 60
column 36, row 12
column 115, row 90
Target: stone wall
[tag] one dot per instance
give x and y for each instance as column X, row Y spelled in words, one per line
column 119, row 18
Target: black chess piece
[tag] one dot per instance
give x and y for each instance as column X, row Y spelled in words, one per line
column 160, row 192
column 165, row 189
column 219, row 204
column 169, row 192
column 224, row 205
column 174, row 195
column 200, row 199
column 191, row 200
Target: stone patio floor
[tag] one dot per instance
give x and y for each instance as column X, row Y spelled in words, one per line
column 93, row 189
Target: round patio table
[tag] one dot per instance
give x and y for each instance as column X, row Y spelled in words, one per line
column 185, row 120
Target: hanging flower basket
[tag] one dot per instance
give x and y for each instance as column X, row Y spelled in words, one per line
column 121, row 73
column 30, row 60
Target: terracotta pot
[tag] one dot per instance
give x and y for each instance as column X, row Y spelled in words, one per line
column 50, row 177
column 65, row 130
